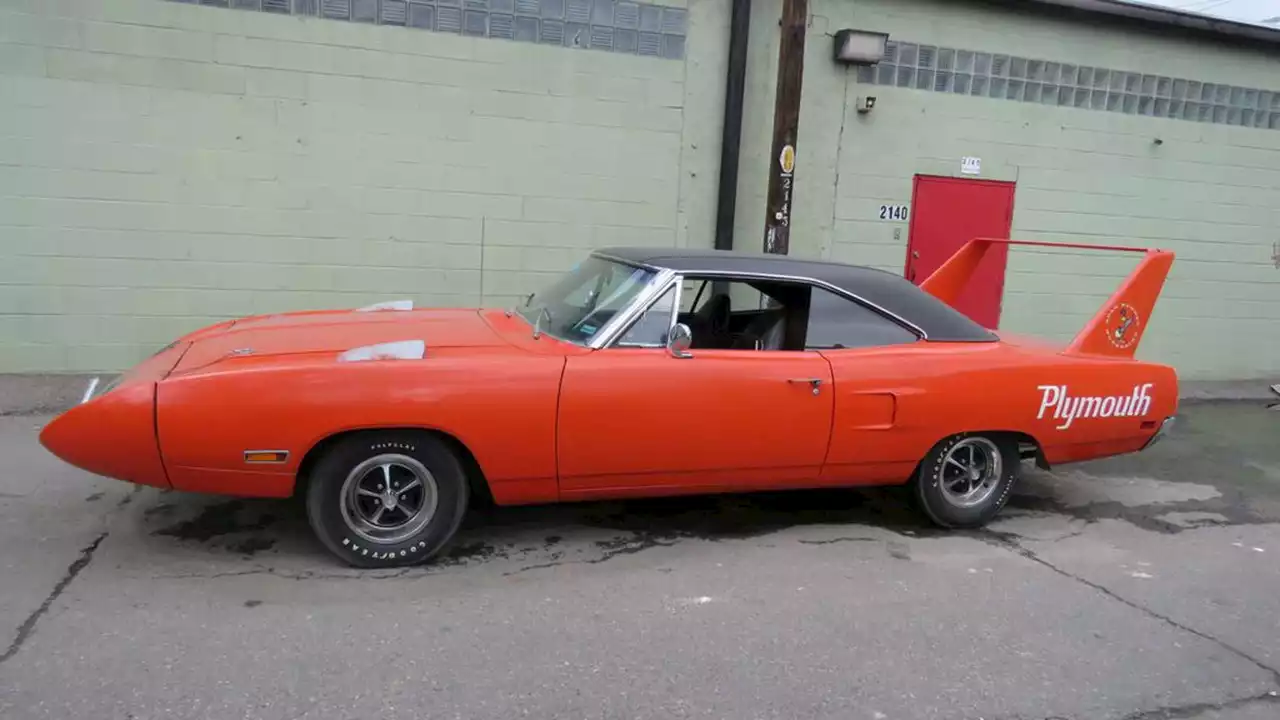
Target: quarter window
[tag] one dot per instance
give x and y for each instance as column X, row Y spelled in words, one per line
column 837, row 322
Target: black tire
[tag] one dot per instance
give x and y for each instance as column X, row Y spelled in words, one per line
column 937, row 474
column 336, row 514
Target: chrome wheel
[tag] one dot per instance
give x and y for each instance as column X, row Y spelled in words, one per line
column 388, row 498
column 971, row 470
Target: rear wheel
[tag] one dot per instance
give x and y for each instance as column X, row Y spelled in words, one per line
column 387, row 499
column 966, row 479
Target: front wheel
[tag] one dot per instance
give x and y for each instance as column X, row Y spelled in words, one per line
column 966, row 479
column 387, row 499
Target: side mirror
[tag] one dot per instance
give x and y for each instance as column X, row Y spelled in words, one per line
column 679, row 340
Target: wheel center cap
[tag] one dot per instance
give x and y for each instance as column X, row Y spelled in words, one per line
column 388, row 501
column 974, row 475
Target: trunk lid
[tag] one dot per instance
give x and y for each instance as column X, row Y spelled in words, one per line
column 1030, row 342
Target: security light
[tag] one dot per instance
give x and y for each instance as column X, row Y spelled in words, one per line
column 859, row 47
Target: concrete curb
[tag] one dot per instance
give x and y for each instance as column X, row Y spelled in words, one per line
column 1257, row 389
column 31, row 394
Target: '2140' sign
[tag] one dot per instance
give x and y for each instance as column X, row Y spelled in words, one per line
column 894, row 212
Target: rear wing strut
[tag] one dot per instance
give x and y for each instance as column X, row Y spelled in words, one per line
column 1114, row 330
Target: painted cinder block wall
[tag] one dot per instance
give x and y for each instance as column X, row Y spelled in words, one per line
column 1210, row 191
column 165, row 165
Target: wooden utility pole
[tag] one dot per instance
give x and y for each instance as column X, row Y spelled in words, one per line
column 786, row 122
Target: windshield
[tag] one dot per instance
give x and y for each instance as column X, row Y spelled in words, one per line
column 583, row 300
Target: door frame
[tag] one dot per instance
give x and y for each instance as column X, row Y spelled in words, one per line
column 909, row 271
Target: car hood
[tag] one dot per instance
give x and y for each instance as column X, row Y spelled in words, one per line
column 334, row 332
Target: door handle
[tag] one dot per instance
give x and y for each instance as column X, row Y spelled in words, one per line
column 815, row 383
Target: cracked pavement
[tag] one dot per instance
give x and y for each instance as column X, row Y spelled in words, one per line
column 1145, row 587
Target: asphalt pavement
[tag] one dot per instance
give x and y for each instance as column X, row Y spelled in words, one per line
column 1144, row 587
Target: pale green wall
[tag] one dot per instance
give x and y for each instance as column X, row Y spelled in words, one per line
column 165, row 165
column 1210, row 192
column 757, row 125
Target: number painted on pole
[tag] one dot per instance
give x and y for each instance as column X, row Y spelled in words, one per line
column 893, row 212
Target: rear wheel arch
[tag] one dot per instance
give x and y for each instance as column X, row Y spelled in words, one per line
column 478, row 484
column 1029, row 447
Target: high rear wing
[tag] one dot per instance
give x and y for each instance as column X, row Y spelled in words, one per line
column 1114, row 330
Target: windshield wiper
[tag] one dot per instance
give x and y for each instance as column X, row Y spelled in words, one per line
column 514, row 308
column 537, row 321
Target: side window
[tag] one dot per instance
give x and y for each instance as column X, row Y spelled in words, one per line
column 650, row 329
column 742, row 296
column 838, row 322
column 739, row 314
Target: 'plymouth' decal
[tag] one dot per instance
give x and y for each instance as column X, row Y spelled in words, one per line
column 1068, row 408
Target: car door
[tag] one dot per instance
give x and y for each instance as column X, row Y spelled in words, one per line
column 636, row 420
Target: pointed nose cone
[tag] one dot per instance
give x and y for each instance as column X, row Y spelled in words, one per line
column 113, row 435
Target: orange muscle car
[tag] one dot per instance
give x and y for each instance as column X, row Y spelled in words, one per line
column 640, row 372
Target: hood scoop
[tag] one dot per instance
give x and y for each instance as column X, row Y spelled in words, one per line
column 398, row 305
column 400, row 350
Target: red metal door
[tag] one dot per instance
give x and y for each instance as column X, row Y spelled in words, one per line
column 945, row 214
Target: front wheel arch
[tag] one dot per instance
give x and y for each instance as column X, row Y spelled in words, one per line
column 478, row 484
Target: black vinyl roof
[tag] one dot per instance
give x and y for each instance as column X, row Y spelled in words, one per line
column 891, row 293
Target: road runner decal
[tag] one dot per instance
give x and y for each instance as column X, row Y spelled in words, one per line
column 1122, row 326
column 1068, row 408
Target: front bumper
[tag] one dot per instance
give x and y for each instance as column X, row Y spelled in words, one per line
column 112, row 431
column 112, row 434
column 1164, row 430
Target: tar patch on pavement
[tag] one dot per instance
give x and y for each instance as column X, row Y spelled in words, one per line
column 464, row 552
column 228, row 518
column 158, row 510
column 253, row 545
column 737, row 517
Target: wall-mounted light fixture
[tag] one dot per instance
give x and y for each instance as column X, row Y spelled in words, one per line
column 859, row 47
